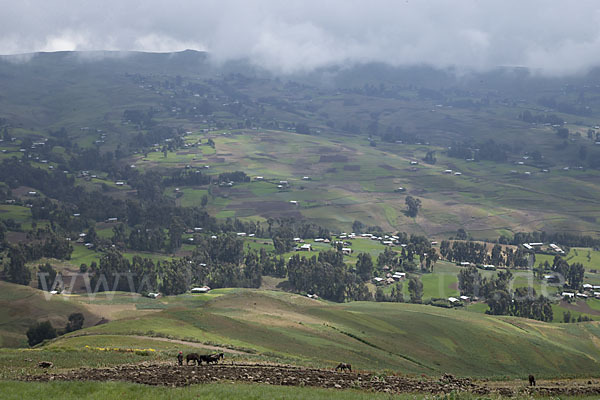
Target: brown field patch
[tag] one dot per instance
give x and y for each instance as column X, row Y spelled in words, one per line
column 75, row 282
column 333, row 158
column 325, row 150
column 272, row 139
column 580, row 306
column 16, row 237
column 266, row 155
column 388, row 167
column 22, row 191
column 112, row 311
column 268, row 208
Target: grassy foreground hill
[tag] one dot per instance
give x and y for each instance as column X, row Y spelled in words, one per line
column 97, row 390
column 406, row 338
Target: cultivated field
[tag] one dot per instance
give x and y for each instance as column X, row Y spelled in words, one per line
column 353, row 181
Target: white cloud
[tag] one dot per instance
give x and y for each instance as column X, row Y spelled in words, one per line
column 160, row 43
column 552, row 35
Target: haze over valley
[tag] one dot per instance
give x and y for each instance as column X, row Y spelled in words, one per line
column 255, row 193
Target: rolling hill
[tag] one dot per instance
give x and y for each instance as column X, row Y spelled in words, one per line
column 22, row 306
column 408, row 338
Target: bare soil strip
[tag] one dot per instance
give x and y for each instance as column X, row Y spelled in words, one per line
column 173, row 375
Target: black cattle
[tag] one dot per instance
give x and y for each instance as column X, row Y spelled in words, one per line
column 343, row 366
column 192, row 357
column 531, row 380
column 214, row 358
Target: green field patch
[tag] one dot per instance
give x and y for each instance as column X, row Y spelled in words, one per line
column 478, row 307
column 18, row 213
column 83, row 255
column 588, row 257
column 439, row 285
column 192, row 197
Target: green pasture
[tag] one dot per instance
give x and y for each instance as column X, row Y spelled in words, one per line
column 20, row 214
column 588, row 257
column 83, row 255
column 15, row 362
column 442, row 283
column 108, row 390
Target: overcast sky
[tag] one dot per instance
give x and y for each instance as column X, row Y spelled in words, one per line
column 557, row 37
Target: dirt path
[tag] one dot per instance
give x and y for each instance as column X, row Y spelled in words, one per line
column 177, row 341
column 190, row 344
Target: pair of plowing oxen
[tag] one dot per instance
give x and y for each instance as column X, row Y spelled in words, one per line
column 214, row 358
column 199, row 358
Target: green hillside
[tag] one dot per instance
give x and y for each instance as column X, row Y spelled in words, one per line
column 408, row 338
column 22, row 306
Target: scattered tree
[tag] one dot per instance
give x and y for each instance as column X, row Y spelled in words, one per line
column 75, row 322
column 412, row 206
column 16, row 271
column 364, row 266
column 39, row 332
column 415, row 288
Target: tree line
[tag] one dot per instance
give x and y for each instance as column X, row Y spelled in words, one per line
column 477, row 253
column 521, row 302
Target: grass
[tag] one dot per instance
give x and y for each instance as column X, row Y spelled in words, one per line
column 477, row 307
column 588, row 257
column 83, row 255
column 121, row 390
column 486, row 200
column 19, row 213
column 91, row 344
column 14, row 363
column 443, row 283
